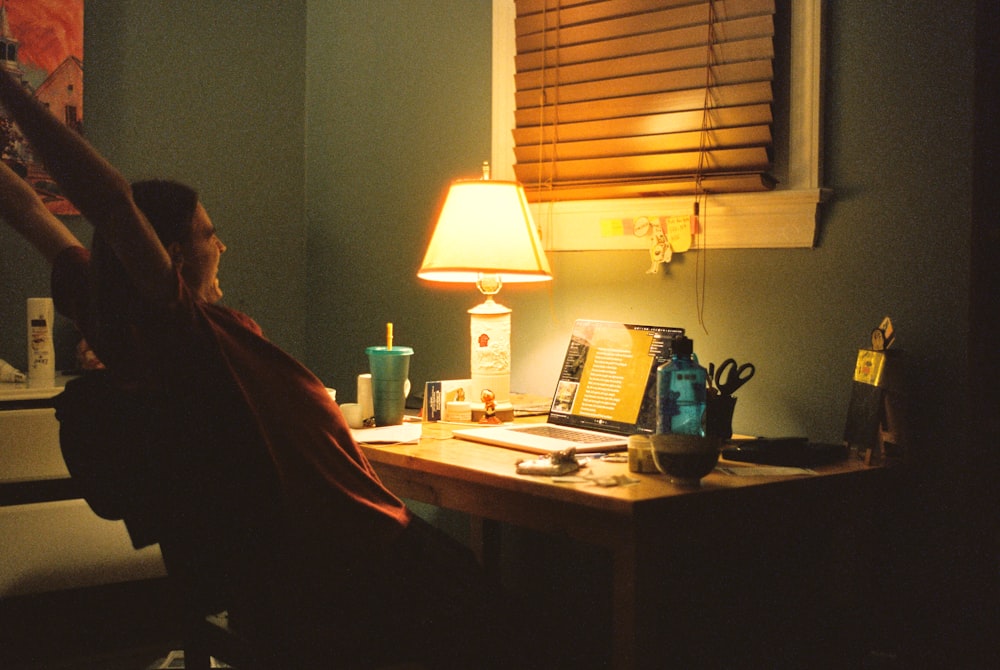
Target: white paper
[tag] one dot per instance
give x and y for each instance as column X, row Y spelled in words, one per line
column 405, row 433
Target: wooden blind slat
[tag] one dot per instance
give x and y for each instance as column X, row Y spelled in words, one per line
column 525, row 7
column 681, row 163
column 654, row 103
column 638, row 24
column 647, row 63
column 579, row 11
column 647, row 124
column 646, row 144
column 652, row 188
column 675, row 80
column 727, row 31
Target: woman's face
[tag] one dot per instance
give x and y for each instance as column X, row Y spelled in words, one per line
column 199, row 258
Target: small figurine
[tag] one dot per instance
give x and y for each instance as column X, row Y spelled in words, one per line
column 489, row 407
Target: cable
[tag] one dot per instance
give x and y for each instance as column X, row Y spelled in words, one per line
column 700, row 215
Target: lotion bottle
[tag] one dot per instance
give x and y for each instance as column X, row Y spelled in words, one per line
column 41, row 349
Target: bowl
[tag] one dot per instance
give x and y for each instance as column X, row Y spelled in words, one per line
column 685, row 458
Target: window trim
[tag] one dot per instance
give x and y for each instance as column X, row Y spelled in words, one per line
column 783, row 218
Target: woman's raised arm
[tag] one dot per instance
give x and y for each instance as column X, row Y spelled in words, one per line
column 25, row 212
column 97, row 189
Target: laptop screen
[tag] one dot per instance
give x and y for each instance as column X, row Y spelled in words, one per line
column 608, row 378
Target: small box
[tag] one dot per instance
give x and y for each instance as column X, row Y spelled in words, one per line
column 640, row 454
column 437, row 395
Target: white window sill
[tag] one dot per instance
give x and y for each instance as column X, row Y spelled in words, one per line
column 772, row 219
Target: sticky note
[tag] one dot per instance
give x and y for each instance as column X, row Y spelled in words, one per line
column 612, row 228
column 679, row 232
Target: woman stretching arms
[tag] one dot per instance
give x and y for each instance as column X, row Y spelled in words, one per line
column 239, row 464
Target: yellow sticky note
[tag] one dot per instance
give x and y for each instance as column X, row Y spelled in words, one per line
column 679, row 232
column 612, row 228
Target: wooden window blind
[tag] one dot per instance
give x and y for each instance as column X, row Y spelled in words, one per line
column 636, row 98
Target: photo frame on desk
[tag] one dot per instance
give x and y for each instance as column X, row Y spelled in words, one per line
column 864, row 417
column 874, row 429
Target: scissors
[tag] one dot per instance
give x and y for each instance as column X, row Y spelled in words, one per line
column 729, row 376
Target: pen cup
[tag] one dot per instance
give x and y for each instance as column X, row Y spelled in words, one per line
column 390, row 368
column 719, row 416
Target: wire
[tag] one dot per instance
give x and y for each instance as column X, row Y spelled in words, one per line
column 540, row 180
column 700, row 199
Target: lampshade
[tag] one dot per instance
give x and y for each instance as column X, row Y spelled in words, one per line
column 485, row 227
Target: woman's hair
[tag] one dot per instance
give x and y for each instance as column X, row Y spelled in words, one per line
column 169, row 206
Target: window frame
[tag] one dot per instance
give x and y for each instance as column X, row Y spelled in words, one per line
column 783, row 218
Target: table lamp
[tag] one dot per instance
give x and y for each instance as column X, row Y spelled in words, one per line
column 485, row 235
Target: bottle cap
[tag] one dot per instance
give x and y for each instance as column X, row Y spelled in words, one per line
column 682, row 346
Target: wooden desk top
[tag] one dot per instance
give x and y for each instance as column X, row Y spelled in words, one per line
column 481, row 479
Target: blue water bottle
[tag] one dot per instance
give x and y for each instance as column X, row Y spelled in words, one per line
column 680, row 391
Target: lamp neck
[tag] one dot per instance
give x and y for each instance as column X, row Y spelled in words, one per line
column 489, row 284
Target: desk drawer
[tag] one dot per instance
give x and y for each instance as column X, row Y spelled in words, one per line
column 29, row 445
column 63, row 544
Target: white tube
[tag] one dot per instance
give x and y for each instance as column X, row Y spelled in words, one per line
column 41, row 349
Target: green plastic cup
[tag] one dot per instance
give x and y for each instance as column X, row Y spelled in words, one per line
column 390, row 369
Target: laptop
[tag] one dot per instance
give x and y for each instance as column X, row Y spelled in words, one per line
column 606, row 392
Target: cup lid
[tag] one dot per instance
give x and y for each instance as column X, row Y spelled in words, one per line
column 386, row 351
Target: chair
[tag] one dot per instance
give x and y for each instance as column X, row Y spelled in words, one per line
column 208, row 637
column 100, row 426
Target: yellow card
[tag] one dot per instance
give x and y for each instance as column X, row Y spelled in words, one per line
column 868, row 369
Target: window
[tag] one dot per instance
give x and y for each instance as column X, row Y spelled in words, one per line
column 784, row 217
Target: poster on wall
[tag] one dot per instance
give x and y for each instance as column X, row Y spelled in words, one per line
column 41, row 44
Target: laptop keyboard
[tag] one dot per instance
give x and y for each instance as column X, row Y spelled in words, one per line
column 546, row 430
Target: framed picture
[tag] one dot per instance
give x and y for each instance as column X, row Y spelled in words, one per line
column 41, row 43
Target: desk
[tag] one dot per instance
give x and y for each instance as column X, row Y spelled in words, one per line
column 645, row 526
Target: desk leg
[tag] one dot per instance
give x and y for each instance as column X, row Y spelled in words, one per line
column 484, row 537
column 625, row 623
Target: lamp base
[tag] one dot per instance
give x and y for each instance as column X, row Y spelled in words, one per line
column 504, row 411
column 489, row 330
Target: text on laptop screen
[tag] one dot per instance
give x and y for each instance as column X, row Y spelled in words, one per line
column 608, row 375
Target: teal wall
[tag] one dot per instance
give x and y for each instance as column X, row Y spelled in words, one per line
column 214, row 95
column 322, row 135
column 398, row 105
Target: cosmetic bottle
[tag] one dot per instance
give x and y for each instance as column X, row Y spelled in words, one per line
column 41, row 349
